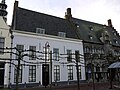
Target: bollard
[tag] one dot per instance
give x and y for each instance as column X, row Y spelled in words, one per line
column 39, row 83
column 25, row 85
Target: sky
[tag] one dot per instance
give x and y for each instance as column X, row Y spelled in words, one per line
column 98, row 11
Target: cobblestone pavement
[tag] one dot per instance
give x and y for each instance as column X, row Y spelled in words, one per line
column 83, row 86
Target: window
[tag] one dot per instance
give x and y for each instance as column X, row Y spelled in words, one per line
column 104, row 68
column 20, row 74
column 114, row 33
column 89, row 71
column 32, row 52
column 56, row 73
column 90, row 37
column 97, row 68
column 62, row 34
column 2, row 41
column 20, row 48
column 102, row 51
column 70, row 72
column 116, row 42
column 91, row 28
column 32, row 73
column 87, row 49
column 56, row 54
column 79, row 68
column 93, row 51
column 69, row 57
column 76, row 24
column 46, row 53
column 40, row 30
column 77, row 55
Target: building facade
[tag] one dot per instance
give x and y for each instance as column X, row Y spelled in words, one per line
column 101, row 43
column 35, row 67
column 5, row 41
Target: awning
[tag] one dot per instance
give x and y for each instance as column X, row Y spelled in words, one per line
column 115, row 65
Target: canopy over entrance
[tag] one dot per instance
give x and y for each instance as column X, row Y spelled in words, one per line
column 115, row 65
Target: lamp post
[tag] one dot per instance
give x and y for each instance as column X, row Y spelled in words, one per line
column 46, row 66
column 10, row 58
column 92, row 69
column 46, row 57
column 50, row 70
column 20, row 57
column 46, row 50
column 77, row 68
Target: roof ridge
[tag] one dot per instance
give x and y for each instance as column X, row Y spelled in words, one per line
column 89, row 21
column 41, row 13
column 60, row 17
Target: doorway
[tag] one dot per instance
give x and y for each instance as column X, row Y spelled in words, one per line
column 45, row 74
column 2, row 74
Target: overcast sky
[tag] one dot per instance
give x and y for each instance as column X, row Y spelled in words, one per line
column 98, row 11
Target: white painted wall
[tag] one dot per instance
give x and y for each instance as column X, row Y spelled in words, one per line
column 30, row 39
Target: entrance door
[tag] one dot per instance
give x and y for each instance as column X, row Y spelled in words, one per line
column 45, row 74
column 1, row 74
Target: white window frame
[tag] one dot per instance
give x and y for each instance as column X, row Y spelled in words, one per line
column 40, row 30
column 62, row 34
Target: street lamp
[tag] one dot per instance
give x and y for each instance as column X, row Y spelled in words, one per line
column 92, row 69
column 77, row 57
column 12, row 36
column 46, row 50
column 46, row 66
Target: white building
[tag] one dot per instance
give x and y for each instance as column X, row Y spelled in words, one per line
column 63, row 68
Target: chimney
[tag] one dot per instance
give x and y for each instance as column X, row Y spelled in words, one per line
column 109, row 23
column 68, row 14
column 16, row 4
column 14, row 14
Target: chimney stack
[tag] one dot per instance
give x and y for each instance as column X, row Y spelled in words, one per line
column 14, row 14
column 68, row 14
column 109, row 23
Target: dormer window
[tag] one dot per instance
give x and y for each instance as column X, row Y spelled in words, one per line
column 77, row 25
column 114, row 33
column 90, row 37
column 116, row 42
column 91, row 28
column 40, row 30
column 62, row 34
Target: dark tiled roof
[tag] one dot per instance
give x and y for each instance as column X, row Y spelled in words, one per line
column 27, row 20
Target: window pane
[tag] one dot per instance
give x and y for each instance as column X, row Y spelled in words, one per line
column 56, row 73
column 56, row 54
column 79, row 72
column 32, row 53
column 20, row 75
column 69, row 57
column 20, row 48
column 2, row 40
column 32, row 73
column 70, row 72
